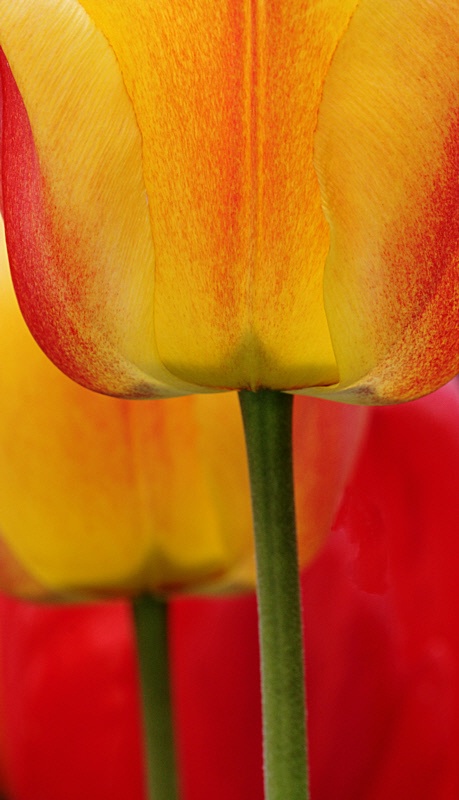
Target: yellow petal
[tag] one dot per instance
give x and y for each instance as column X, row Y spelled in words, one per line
column 387, row 152
column 76, row 208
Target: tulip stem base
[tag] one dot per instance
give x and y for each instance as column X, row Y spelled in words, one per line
column 267, row 419
column 150, row 622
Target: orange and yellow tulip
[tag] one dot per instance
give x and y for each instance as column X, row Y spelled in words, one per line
column 104, row 496
column 202, row 196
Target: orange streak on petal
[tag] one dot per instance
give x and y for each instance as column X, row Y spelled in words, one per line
column 226, row 98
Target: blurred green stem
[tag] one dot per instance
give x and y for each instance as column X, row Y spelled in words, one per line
column 150, row 618
column 267, row 419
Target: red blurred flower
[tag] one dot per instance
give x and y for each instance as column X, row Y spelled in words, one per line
column 382, row 646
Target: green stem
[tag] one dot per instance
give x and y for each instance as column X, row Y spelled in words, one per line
column 150, row 618
column 268, row 431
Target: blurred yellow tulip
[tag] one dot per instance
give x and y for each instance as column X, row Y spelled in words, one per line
column 105, row 496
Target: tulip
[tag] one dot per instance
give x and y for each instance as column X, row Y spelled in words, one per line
column 380, row 614
column 104, row 496
column 201, row 197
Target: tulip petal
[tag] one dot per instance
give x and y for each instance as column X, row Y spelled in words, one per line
column 226, row 97
column 387, row 155
column 76, row 210
column 327, row 440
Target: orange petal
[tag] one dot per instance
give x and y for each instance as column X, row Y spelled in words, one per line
column 226, row 98
column 387, row 153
